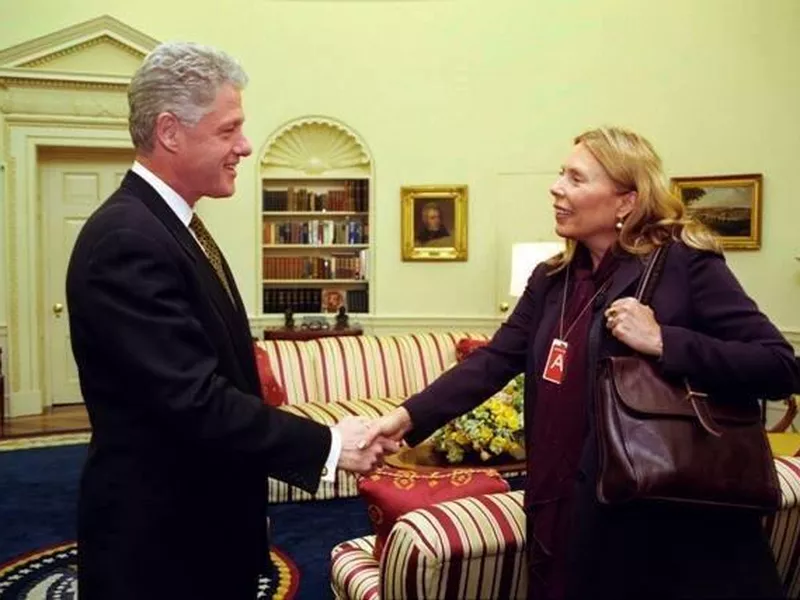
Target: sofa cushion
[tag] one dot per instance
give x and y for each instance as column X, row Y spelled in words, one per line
column 428, row 355
column 354, row 571
column 271, row 391
column 391, row 493
column 356, row 367
column 466, row 346
column 293, row 366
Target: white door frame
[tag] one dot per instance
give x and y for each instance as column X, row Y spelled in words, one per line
column 26, row 326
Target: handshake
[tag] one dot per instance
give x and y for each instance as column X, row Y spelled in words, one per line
column 365, row 442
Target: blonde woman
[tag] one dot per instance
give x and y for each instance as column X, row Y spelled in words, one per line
column 612, row 206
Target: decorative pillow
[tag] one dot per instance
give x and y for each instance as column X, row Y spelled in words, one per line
column 466, row 346
column 391, row 493
column 271, row 391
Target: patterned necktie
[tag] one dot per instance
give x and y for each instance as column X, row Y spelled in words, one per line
column 212, row 251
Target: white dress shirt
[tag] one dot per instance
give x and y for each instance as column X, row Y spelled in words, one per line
column 184, row 213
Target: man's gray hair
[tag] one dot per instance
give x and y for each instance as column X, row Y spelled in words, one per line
column 181, row 78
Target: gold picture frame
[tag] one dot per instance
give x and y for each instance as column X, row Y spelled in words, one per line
column 434, row 222
column 729, row 205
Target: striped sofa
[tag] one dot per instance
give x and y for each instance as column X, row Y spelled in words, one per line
column 329, row 378
column 475, row 548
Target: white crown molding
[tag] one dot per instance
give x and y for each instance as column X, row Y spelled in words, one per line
column 315, row 146
column 58, row 79
column 42, row 50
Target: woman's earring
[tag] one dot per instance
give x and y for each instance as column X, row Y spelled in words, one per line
column 618, row 225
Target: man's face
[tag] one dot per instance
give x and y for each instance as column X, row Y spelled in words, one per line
column 432, row 219
column 209, row 152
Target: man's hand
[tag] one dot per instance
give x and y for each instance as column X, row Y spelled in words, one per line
column 363, row 448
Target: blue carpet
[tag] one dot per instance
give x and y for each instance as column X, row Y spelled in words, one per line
column 39, row 498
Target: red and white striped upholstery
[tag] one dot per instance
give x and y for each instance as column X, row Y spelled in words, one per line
column 293, row 366
column 468, row 548
column 330, row 378
column 474, row 548
column 346, row 484
column 428, row 355
column 354, row 571
column 358, row 367
column 783, row 527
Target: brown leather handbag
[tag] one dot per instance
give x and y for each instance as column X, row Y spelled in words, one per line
column 662, row 440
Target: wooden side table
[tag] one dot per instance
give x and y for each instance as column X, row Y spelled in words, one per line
column 301, row 334
column 424, row 459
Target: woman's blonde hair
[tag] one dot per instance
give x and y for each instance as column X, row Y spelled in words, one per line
column 632, row 164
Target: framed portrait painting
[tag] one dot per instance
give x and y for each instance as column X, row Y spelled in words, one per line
column 729, row 205
column 434, row 222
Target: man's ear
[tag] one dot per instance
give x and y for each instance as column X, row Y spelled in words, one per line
column 627, row 202
column 168, row 131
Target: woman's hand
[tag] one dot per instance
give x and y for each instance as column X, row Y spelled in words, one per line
column 634, row 324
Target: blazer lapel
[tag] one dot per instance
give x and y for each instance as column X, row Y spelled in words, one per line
column 628, row 272
column 142, row 190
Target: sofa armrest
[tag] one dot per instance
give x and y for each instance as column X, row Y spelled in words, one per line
column 472, row 548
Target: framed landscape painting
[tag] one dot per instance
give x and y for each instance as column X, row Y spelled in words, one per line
column 729, row 205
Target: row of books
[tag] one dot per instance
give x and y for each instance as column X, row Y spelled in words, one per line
column 316, row 232
column 353, row 198
column 337, row 266
column 305, row 300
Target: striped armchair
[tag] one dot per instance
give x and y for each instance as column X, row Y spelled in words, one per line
column 329, row 378
column 475, row 548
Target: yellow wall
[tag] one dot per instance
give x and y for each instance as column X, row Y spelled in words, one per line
column 470, row 91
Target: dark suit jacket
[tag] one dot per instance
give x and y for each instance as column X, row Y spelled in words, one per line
column 714, row 334
column 173, row 494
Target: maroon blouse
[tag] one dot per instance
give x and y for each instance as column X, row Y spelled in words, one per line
column 556, row 429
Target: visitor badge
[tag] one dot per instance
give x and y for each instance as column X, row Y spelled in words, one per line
column 556, row 360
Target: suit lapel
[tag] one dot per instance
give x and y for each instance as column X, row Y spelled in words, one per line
column 225, row 308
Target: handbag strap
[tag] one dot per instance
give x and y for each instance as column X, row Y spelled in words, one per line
column 652, row 273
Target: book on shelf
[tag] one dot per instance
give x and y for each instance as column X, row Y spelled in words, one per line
column 352, row 196
column 335, row 266
column 314, row 300
column 316, row 232
column 299, row 300
column 357, row 301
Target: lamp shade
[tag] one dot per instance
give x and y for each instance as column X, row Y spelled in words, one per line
column 524, row 258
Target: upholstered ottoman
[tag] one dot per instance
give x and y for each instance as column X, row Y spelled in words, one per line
column 468, row 548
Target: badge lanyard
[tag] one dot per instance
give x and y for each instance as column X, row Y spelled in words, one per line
column 557, row 357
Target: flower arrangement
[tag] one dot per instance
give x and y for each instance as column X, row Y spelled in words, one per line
column 492, row 429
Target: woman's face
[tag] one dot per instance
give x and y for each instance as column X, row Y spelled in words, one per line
column 587, row 202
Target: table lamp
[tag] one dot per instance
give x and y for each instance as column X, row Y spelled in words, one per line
column 524, row 258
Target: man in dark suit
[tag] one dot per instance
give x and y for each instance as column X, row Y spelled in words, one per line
column 173, row 494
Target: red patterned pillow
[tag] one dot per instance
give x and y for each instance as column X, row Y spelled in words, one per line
column 271, row 391
column 391, row 493
column 466, row 346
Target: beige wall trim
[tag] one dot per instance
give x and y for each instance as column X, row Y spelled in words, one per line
column 25, row 346
column 4, row 346
column 74, row 39
column 793, row 335
column 46, row 102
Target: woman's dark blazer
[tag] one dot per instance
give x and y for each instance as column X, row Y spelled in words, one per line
column 715, row 335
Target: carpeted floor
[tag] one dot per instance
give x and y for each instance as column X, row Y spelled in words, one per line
column 39, row 495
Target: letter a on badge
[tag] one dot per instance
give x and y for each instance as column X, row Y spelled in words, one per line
column 556, row 361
